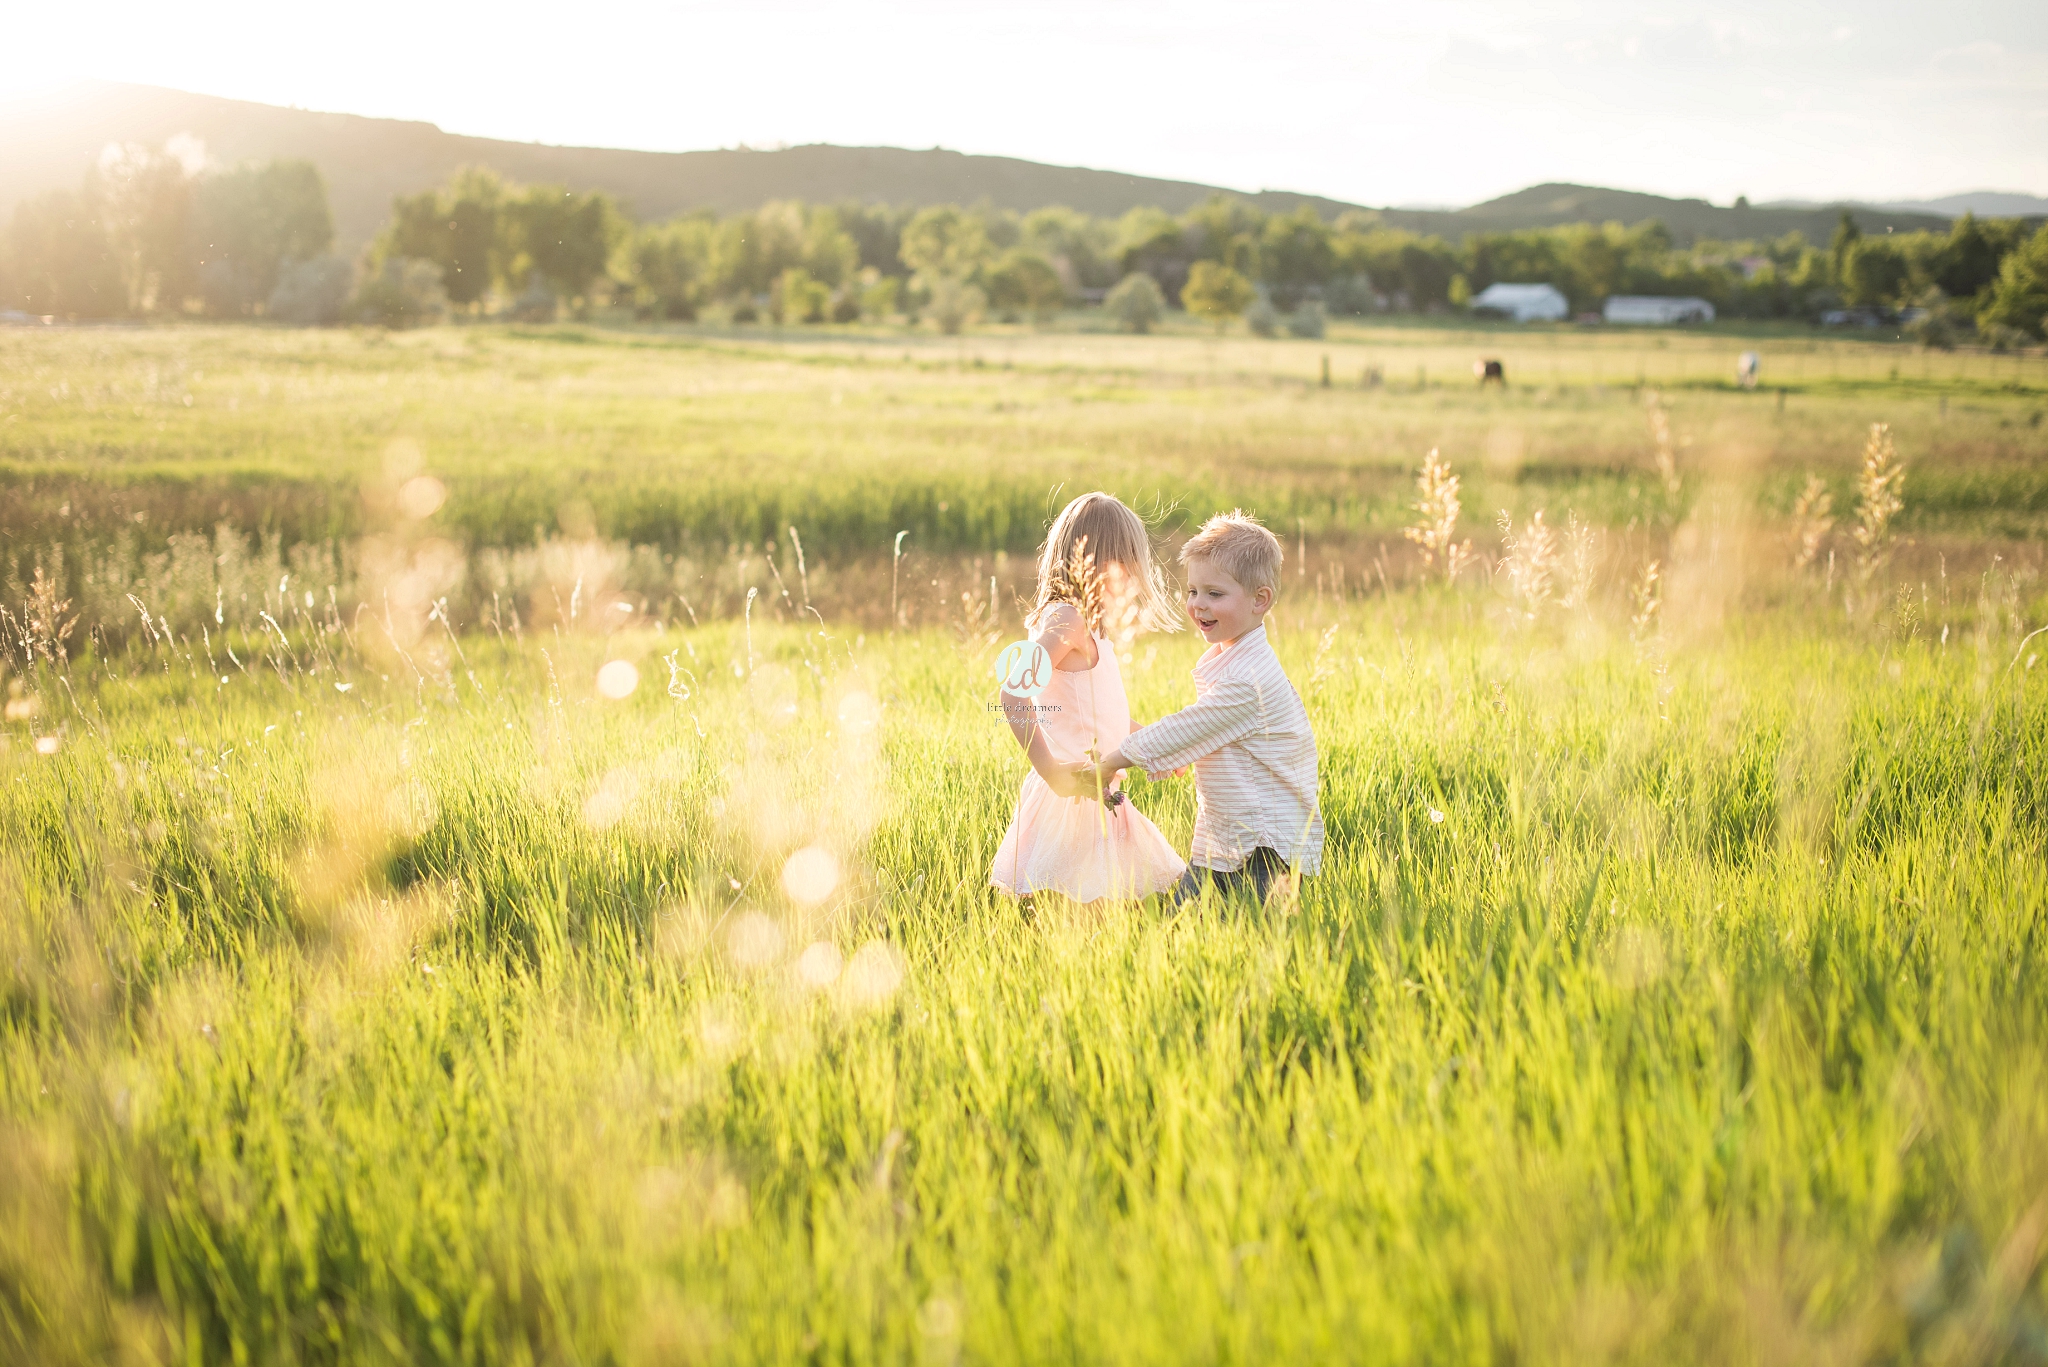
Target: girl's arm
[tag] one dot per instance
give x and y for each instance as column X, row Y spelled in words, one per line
column 1062, row 633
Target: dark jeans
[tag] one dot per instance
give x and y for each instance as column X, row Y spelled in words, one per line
column 1262, row 868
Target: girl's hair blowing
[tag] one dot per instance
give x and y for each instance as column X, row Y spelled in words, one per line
column 1092, row 533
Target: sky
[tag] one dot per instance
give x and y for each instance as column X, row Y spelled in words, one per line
column 1410, row 104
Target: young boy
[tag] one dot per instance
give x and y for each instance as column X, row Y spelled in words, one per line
column 1247, row 735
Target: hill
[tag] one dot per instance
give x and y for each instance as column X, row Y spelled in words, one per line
column 1983, row 203
column 49, row 142
column 367, row 161
column 1542, row 206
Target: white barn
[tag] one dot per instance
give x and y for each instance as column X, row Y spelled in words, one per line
column 1656, row 309
column 1523, row 303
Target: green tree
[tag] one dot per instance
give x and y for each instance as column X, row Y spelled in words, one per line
column 1847, row 235
column 877, row 233
column 1022, row 281
column 1295, row 255
column 1154, row 243
column 1413, row 272
column 1968, row 261
column 1874, row 272
column 61, row 260
column 145, row 197
column 564, row 238
column 461, row 228
column 878, row 296
column 945, row 242
column 250, row 222
column 1216, row 293
column 831, row 256
column 1136, row 303
column 671, row 266
column 797, row 298
column 1082, row 249
column 1226, row 230
column 2019, row 299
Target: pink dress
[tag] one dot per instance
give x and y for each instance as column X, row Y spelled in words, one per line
column 1077, row 846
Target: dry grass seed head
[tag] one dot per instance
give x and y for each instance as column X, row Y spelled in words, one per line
column 1647, row 596
column 1877, row 498
column 1529, row 560
column 1435, row 530
column 1812, row 520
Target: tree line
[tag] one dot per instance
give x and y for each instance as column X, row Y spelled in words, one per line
column 147, row 234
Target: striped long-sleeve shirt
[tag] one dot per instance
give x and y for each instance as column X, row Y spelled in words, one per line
column 1248, row 738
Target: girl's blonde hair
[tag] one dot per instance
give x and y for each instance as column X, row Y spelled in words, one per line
column 1091, row 533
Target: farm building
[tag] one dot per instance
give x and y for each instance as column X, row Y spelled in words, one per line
column 1523, row 303
column 1656, row 309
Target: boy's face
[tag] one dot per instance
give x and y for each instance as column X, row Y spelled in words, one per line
column 1221, row 608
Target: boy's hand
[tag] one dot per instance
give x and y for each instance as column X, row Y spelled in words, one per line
column 1089, row 781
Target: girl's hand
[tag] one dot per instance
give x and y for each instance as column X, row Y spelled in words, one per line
column 1084, row 780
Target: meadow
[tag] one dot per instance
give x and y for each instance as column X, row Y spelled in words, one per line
column 552, row 925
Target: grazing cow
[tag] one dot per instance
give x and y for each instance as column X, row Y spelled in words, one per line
column 1746, row 367
column 1490, row 372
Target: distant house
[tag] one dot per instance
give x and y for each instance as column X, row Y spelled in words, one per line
column 1656, row 309
column 1523, row 303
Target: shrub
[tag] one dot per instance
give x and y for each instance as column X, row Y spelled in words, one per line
column 1262, row 318
column 1939, row 324
column 878, row 300
column 404, row 293
column 954, row 304
column 536, row 303
column 1306, row 321
column 311, row 293
column 1351, row 295
column 1136, row 302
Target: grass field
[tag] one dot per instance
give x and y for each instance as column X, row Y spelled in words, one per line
column 698, row 445
column 376, row 988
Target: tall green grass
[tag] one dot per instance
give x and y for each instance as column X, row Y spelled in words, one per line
column 1678, row 997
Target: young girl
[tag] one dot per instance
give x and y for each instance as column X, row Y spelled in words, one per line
column 1096, row 584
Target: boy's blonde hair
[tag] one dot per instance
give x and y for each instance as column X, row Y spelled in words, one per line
column 1095, row 531
column 1235, row 543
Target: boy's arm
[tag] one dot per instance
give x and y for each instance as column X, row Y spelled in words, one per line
column 1228, row 712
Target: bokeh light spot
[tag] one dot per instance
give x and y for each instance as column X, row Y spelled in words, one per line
column 859, row 712
column 753, row 940
column 617, row 680
column 872, row 975
column 810, row 875
column 421, row 497
column 818, row 965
